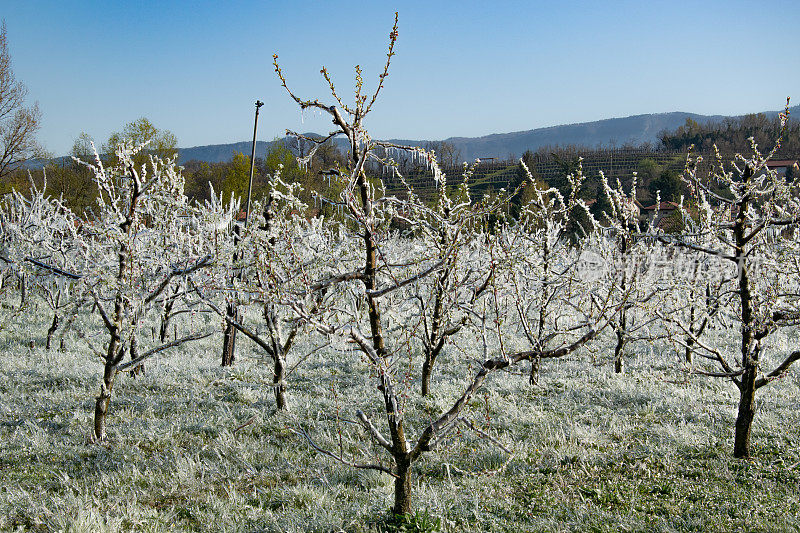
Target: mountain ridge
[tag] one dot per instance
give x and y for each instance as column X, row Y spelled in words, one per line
column 605, row 133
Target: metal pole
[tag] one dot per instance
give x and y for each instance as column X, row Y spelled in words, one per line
column 259, row 103
column 229, row 336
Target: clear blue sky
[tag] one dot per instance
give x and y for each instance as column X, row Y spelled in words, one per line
column 462, row 68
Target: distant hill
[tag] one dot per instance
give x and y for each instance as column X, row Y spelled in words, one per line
column 634, row 130
column 218, row 153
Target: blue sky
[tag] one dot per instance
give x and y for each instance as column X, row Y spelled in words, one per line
column 462, row 68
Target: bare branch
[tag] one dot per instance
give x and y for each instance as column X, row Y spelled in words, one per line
column 300, row 431
column 53, row 269
column 779, row 370
column 158, row 349
column 372, row 430
column 242, row 426
column 483, row 434
column 201, row 263
column 733, row 374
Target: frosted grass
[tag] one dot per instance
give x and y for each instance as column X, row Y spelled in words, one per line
column 194, row 446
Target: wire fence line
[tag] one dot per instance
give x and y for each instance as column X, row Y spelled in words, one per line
column 614, row 163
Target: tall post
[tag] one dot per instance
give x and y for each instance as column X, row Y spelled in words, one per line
column 259, row 103
column 229, row 335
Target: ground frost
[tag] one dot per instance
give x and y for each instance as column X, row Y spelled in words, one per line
column 197, row 447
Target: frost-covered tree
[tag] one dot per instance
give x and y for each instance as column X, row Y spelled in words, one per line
column 371, row 286
column 37, row 235
column 563, row 296
column 277, row 255
column 694, row 282
column 448, row 298
column 631, row 262
column 747, row 222
column 143, row 236
column 379, row 309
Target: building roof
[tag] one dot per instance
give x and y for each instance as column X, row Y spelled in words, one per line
column 663, row 206
column 780, row 163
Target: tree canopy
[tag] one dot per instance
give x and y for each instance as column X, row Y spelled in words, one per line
column 731, row 135
column 162, row 143
column 18, row 122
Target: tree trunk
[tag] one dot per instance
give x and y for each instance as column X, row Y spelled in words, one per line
column 164, row 329
column 279, row 380
column 232, row 310
column 619, row 363
column 690, row 338
column 747, row 387
column 744, row 418
column 622, row 327
column 435, row 341
column 103, row 400
column 52, row 330
column 23, row 290
column 427, row 368
column 229, row 338
column 138, row 369
column 166, row 315
column 402, row 486
column 533, row 379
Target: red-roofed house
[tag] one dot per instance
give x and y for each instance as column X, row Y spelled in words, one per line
column 661, row 211
column 784, row 166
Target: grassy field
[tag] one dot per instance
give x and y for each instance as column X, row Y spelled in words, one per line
column 197, row 447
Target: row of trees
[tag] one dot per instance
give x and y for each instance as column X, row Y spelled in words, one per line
column 459, row 277
column 733, row 135
column 72, row 180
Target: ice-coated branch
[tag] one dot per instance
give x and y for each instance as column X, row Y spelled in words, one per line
column 236, row 324
column 779, row 370
column 683, row 244
column 784, row 222
column 385, row 73
column 438, row 426
column 201, row 263
column 697, row 342
column 556, row 353
column 303, row 359
column 53, row 269
column 158, row 349
column 483, row 434
column 433, row 268
column 372, row 430
column 365, row 345
column 102, row 310
column 316, row 140
column 339, row 278
column 300, row 431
